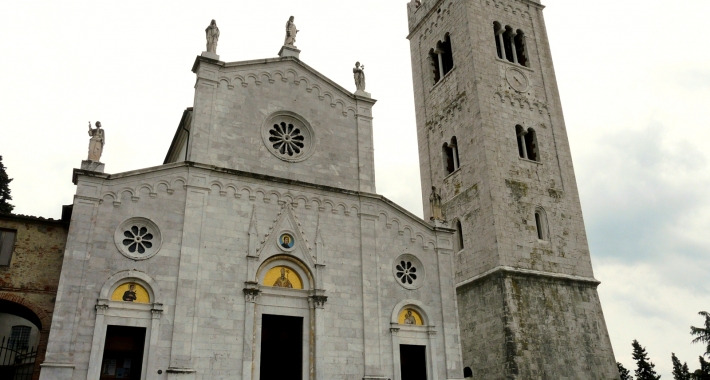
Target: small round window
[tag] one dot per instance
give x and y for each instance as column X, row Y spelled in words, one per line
column 288, row 136
column 408, row 271
column 138, row 238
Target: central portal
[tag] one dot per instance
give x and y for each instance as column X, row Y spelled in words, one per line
column 281, row 347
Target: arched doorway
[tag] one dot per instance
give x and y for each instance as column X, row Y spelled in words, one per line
column 24, row 330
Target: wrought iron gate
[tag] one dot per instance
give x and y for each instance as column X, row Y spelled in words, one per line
column 16, row 363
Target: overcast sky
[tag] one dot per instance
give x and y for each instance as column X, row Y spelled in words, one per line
column 634, row 77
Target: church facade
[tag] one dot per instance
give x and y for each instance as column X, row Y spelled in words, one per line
column 261, row 250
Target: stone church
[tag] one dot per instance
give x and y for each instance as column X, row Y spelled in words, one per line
column 261, row 250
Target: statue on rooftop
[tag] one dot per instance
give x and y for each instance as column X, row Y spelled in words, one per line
column 359, row 73
column 435, row 203
column 97, row 142
column 291, row 32
column 212, row 33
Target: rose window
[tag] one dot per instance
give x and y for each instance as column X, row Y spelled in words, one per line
column 138, row 239
column 406, row 272
column 287, row 139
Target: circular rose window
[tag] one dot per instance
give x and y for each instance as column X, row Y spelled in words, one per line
column 138, row 238
column 288, row 136
column 408, row 271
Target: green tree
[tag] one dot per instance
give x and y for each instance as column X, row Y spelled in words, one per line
column 704, row 372
column 644, row 370
column 623, row 372
column 702, row 335
column 680, row 371
column 5, row 206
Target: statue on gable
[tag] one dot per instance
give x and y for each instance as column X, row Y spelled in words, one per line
column 212, row 33
column 97, row 142
column 359, row 74
column 291, row 32
column 435, row 204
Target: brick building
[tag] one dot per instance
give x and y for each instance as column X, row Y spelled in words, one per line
column 31, row 254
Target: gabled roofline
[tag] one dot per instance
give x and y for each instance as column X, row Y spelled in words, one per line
column 255, row 62
column 181, row 127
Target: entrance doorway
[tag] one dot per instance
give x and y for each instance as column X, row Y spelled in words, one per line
column 413, row 362
column 281, row 348
column 123, row 353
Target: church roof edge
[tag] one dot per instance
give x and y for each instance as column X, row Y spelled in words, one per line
column 295, row 60
column 376, row 197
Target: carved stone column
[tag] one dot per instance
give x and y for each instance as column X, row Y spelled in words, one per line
column 251, row 293
column 97, row 343
column 397, row 361
column 156, row 314
column 318, row 304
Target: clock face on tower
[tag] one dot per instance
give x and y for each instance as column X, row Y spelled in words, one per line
column 517, row 80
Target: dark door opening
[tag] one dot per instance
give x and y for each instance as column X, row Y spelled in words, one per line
column 123, row 353
column 413, row 362
column 281, row 347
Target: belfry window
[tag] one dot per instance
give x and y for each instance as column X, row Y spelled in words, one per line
column 510, row 44
column 441, row 59
column 520, row 49
column 541, row 224
column 527, row 143
column 459, row 235
column 451, row 156
column 498, row 35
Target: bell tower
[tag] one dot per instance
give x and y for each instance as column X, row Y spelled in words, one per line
column 493, row 141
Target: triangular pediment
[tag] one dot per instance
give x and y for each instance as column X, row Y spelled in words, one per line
column 287, row 227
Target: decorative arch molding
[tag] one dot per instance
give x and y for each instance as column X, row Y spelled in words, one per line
column 522, row 102
column 514, row 9
column 44, row 319
column 289, row 76
column 284, row 260
column 114, row 281
column 417, row 305
column 413, row 234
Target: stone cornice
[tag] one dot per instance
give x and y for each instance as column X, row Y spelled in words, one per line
column 84, row 174
column 266, row 61
column 529, row 272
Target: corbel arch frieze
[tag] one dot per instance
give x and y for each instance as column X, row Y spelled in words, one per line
column 291, row 76
column 406, row 230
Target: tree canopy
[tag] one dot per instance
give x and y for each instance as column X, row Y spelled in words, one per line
column 5, row 197
column 644, row 367
column 702, row 334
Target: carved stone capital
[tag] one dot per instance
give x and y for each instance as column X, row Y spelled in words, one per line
column 319, row 301
column 251, row 294
column 394, row 330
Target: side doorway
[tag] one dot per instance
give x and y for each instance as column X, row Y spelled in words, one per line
column 413, row 362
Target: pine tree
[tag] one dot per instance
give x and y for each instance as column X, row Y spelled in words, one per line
column 702, row 334
column 680, row 371
column 5, row 207
column 623, row 372
column 704, row 372
column 644, row 370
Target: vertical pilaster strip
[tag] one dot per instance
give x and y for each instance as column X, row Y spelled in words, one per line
column 450, row 321
column 370, row 290
column 185, row 321
column 396, row 360
column 59, row 358
column 365, row 143
column 435, row 358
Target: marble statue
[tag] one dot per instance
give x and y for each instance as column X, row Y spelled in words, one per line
column 212, row 33
column 359, row 73
column 435, row 203
column 97, row 142
column 291, row 32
